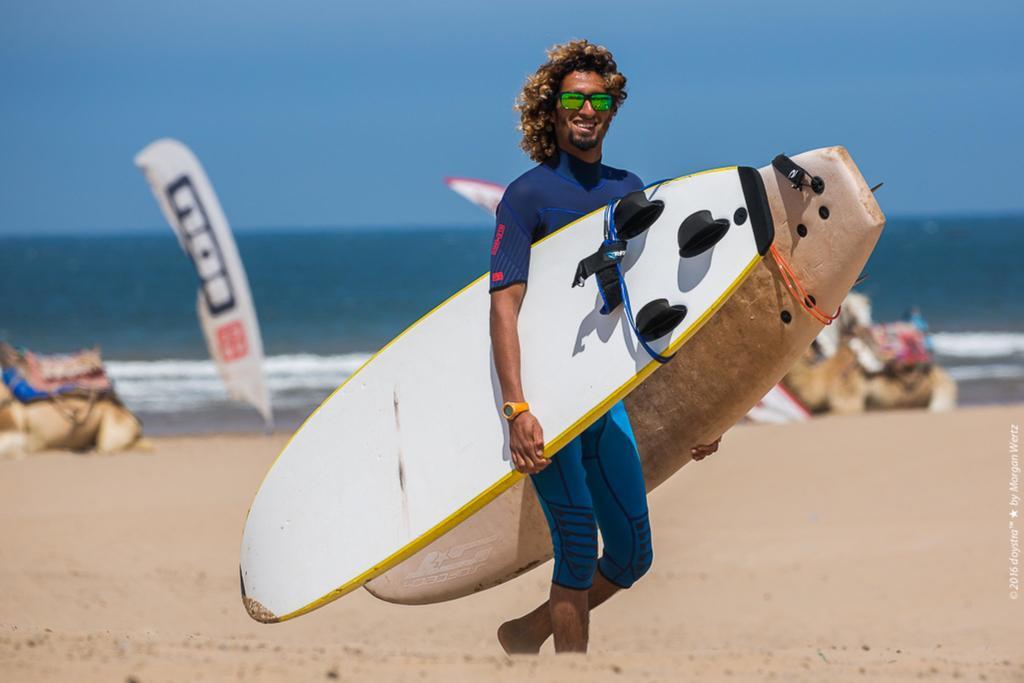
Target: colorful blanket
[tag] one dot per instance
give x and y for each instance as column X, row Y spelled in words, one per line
column 33, row 376
column 900, row 344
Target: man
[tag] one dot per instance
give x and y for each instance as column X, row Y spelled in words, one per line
column 596, row 481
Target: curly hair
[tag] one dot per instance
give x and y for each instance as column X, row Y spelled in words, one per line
column 536, row 102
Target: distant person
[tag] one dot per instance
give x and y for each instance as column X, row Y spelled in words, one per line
column 596, row 480
column 914, row 317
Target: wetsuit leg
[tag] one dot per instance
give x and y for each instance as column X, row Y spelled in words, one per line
column 562, row 491
column 616, row 483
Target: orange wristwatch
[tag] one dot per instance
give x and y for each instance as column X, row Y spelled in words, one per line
column 511, row 409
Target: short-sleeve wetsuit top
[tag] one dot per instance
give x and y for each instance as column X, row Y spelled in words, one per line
column 544, row 199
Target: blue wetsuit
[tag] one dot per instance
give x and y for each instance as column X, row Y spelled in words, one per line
column 595, row 480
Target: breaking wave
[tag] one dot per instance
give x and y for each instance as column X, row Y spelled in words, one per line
column 169, row 385
column 979, row 344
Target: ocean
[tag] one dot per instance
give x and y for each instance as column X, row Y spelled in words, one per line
column 327, row 299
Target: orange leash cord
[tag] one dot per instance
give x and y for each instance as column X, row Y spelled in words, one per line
column 798, row 292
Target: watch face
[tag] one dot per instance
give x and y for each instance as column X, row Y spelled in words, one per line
column 509, row 410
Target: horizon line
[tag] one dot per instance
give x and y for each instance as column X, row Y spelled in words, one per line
column 267, row 229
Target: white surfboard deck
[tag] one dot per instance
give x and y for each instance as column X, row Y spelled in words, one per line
column 413, row 443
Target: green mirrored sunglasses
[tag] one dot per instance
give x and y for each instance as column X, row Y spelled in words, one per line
column 600, row 101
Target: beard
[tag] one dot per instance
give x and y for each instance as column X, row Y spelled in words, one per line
column 586, row 143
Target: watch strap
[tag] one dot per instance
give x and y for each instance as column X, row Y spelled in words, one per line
column 512, row 409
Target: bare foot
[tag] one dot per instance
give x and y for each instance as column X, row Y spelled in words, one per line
column 515, row 639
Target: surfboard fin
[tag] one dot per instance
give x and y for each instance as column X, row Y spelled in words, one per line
column 635, row 213
column 658, row 318
column 699, row 232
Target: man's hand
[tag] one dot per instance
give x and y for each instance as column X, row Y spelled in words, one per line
column 526, row 442
column 701, row 452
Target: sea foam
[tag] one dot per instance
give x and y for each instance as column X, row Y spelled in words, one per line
column 979, row 344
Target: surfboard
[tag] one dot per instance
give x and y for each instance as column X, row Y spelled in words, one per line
column 719, row 374
column 413, row 443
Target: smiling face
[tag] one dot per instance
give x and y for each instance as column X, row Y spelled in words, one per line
column 581, row 131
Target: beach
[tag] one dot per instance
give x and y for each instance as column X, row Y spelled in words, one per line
column 873, row 547
column 219, row 224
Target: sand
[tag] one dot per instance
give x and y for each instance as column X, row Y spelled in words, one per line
column 861, row 548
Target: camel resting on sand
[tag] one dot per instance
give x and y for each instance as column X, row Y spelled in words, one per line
column 66, row 422
column 840, row 385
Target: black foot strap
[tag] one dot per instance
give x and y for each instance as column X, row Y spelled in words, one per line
column 635, row 213
column 699, row 232
column 658, row 318
column 602, row 263
column 796, row 175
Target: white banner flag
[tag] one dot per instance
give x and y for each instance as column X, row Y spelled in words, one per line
column 224, row 305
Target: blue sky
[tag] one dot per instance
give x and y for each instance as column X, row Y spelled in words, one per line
column 333, row 113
